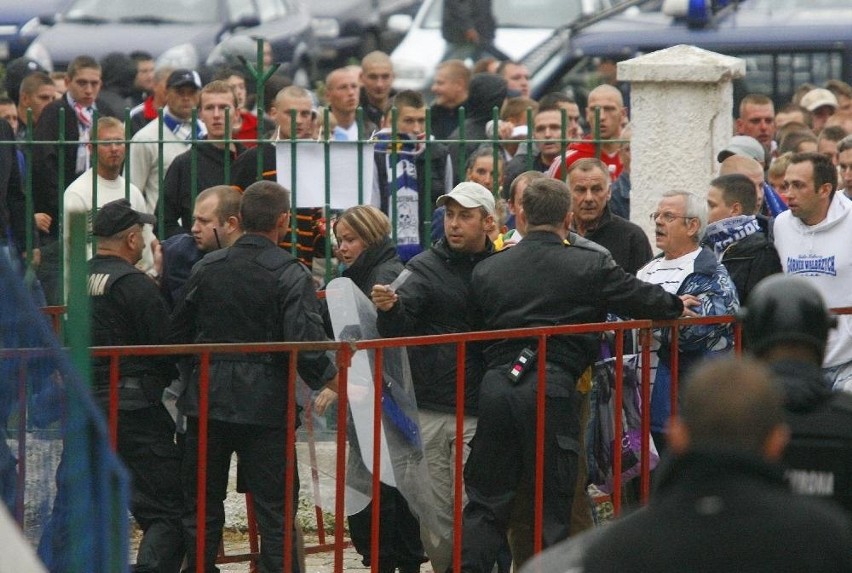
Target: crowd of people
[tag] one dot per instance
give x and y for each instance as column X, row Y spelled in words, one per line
column 519, row 222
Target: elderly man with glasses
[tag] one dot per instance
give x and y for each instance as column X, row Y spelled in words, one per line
column 685, row 268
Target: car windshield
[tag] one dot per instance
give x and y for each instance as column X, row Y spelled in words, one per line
column 147, row 12
column 520, row 13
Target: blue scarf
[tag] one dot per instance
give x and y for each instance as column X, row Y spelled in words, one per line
column 725, row 232
column 774, row 204
column 404, row 210
column 174, row 125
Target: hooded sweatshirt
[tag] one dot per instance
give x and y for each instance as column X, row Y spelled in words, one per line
column 821, row 253
column 486, row 91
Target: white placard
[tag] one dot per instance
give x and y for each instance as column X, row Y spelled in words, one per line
column 310, row 173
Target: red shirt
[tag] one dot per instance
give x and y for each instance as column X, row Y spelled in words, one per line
column 583, row 150
column 248, row 129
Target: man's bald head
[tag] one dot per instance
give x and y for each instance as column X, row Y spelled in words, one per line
column 609, row 103
column 745, row 166
column 741, row 164
column 376, row 58
column 609, row 91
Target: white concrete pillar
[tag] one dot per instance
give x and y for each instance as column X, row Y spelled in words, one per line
column 681, row 102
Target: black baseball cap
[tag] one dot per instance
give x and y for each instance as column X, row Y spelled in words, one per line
column 181, row 78
column 116, row 216
column 16, row 71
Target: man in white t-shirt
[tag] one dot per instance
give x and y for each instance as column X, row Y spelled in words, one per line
column 685, row 268
column 80, row 195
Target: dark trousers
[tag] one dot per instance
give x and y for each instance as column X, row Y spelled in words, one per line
column 502, row 458
column 146, row 446
column 8, row 471
column 48, row 271
column 399, row 533
column 261, row 450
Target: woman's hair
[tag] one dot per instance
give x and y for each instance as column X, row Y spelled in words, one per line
column 370, row 224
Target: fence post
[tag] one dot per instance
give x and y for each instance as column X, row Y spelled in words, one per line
column 681, row 100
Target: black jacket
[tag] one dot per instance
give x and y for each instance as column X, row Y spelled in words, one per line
column 520, row 164
column 819, row 456
column 46, row 175
column 180, row 253
column 542, row 281
column 626, row 241
column 127, row 310
column 250, row 292
column 378, row 265
column 177, row 184
column 445, row 120
column 461, row 15
column 749, row 261
column 486, row 92
column 714, row 511
column 434, row 300
column 12, row 201
column 373, row 114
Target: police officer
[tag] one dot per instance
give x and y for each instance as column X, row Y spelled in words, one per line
column 252, row 291
column 786, row 324
column 573, row 281
column 127, row 310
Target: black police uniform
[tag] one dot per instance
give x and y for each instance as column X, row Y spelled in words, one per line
column 127, row 310
column 714, row 511
column 252, row 291
column 819, row 455
column 561, row 284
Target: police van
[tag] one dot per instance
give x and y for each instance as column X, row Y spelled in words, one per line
column 785, row 43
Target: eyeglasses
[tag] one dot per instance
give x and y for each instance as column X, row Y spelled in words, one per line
column 667, row 217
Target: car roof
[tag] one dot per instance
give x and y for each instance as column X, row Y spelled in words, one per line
column 784, row 42
column 753, row 26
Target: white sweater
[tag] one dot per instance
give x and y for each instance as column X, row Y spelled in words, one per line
column 78, row 197
column 822, row 254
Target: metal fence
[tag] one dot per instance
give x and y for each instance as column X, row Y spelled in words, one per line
column 344, row 354
column 289, row 180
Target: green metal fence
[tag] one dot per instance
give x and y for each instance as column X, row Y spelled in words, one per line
column 325, row 139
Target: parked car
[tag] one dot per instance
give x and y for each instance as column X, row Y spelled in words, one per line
column 179, row 32
column 352, row 28
column 784, row 43
column 21, row 22
column 521, row 26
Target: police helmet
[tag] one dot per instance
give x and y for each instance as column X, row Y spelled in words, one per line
column 785, row 309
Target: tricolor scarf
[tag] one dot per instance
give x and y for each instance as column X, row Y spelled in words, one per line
column 404, row 209
column 725, row 232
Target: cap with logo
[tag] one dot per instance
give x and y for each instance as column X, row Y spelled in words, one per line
column 469, row 195
column 118, row 215
column 184, row 78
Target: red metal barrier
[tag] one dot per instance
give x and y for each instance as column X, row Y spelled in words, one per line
column 344, row 353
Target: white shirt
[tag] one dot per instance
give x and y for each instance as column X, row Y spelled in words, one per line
column 78, row 198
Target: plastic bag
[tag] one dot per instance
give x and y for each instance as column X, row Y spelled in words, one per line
column 601, row 430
